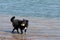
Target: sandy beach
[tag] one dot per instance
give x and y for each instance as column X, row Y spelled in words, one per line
column 39, row 29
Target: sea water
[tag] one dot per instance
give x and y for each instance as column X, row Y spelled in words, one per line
column 31, row 8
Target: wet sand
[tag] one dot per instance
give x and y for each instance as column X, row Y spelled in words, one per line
column 39, row 29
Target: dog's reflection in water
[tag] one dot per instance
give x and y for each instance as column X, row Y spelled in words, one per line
column 19, row 24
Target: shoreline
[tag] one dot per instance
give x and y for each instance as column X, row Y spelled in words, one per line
column 8, row 15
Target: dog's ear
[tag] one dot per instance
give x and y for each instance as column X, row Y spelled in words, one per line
column 27, row 20
column 23, row 19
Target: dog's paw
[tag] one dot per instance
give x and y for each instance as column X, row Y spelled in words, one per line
column 21, row 32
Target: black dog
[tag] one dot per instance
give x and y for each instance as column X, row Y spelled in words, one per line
column 19, row 24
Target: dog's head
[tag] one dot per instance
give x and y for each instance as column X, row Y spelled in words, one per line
column 24, row 22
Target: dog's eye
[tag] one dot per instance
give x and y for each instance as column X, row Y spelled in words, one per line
column 23, row 24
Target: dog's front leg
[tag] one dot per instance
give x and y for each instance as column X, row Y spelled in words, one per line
column 25, row 29
column 21, row 31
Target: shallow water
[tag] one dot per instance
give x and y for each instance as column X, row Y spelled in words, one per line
column 39, row 29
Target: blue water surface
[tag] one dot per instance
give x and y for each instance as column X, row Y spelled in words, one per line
column 31, row 8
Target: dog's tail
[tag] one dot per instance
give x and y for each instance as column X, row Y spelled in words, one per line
column 12, row 19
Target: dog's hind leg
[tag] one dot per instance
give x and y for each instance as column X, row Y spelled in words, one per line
column 13, row 30
column 17, row 30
